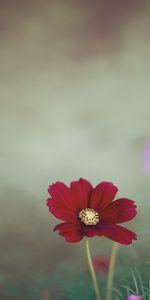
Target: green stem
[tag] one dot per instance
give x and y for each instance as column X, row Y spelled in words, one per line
column 111, row 271
column 93, row 274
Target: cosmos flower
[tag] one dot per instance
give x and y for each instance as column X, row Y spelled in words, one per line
column 134, row 297
column 44, row 294
column 101, row 263
column 88, row 211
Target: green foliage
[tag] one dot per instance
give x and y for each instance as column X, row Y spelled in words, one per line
column 70, row 283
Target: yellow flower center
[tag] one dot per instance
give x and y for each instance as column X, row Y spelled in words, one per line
column 89, row 216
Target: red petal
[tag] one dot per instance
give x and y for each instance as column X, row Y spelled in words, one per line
column 62, row 194
column 90, row 231
column 82, row 190
column 103, row 195
column 119, row 211
column 61, row 212
column 71, row 232
column 114, row 232
column 101, row 263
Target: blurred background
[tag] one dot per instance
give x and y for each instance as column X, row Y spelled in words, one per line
column 75, row 102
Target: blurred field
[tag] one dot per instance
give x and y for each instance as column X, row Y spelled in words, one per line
column 75, row 102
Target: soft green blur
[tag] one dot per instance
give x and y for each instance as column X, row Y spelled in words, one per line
column 75, row 102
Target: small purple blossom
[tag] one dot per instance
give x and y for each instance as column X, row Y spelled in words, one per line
column 147, row 158
column 134, row 297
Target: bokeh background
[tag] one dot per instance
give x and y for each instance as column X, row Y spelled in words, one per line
column 74, row 102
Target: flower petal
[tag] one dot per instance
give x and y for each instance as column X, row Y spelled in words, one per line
column 82, row 190
column 119, row 211
column 102, row 195
column 101, row 263
column 71, row 232
column 134, row 297
column 116, row 233
column 61, row 212
column 62, row 194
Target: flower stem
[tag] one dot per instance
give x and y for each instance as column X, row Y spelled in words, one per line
column 93, row 274
column 111, row 271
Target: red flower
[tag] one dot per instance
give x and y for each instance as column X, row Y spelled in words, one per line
column 88, row 211
column 101, row 263
column 44, row 294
